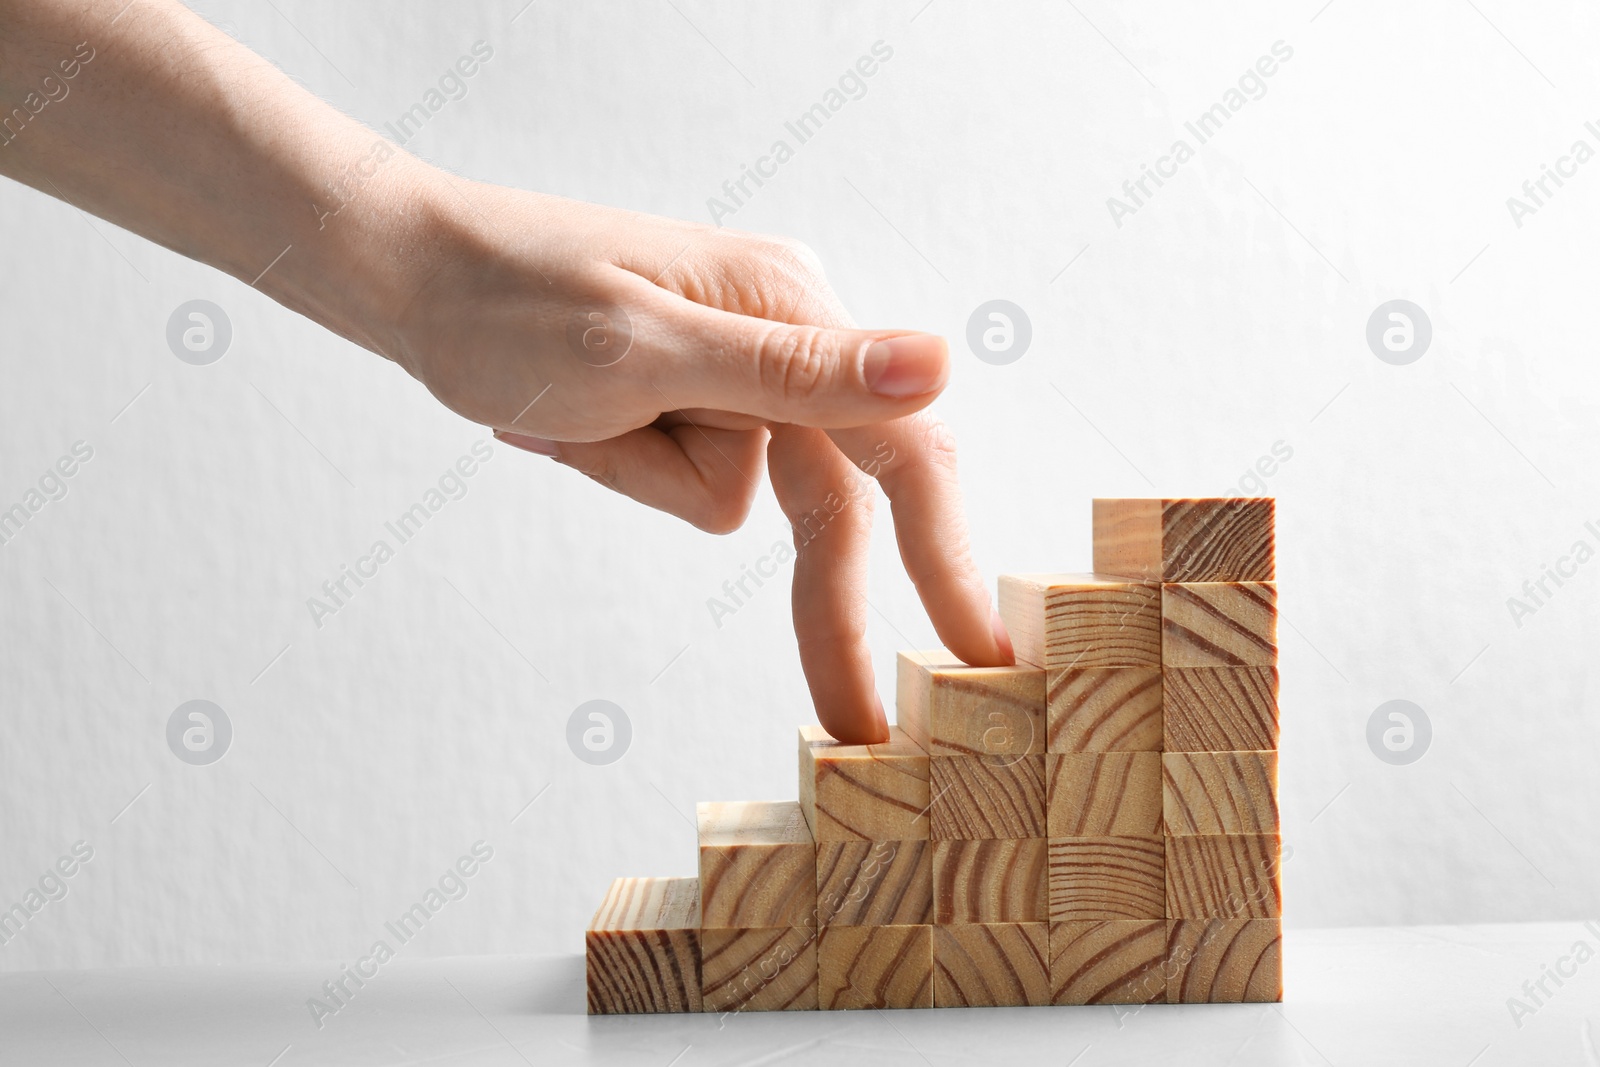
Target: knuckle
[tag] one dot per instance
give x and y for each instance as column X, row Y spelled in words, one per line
column 769, row 277
column 923, row 456
column 938, row 441
column 722, row 506
column 795, row 362
column 789, row 264
column 722, row 515
column 797, row 258
column 597, row 469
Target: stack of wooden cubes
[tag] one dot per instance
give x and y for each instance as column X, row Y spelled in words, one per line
column 1215, row 562
column 1097, row 824
column 983, row 730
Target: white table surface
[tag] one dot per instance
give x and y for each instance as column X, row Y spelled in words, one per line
column 1401, row 995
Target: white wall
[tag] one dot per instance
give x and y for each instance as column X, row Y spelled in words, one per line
column 1226, row 315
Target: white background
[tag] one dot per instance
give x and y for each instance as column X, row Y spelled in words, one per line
column 1226, row 315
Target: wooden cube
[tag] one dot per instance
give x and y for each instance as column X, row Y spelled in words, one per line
column 991, row 965
column 874, row 883
column 1110, row 962
column 1220, row 792
column 990, row 881
column 951, row 709
column 875, row 967
column 863, row 792
column 1217, row 539
column 758, row 865
column 642, row 948
column 1224, row 876
column 1104, row 709
column 1067, row 621
column 1219, row 709
column 987, row 797
column 1219, row 624
column 1224, row 961
column 1104, row 794
column 1106, row 878
column 763, row 969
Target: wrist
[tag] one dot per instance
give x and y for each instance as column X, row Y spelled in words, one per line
column 368, row 245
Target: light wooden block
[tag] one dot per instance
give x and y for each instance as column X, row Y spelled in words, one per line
column 1104, row 794
column 1215, row 539
column 875, row 967
column 991, row 965
column 951, row 709
column 987, row 797
column 1224, row 961
column 1219, row 792
column 1220, row 624
column 863, row 792
column 1106, row 878
column 1224, row 876
column 990, row 881
column 764, row 969
column 1104, row 709
column 874, row 883
column 1110, row 962
column 758, row 865
column 1219, row 709
column 1066, row 621
column 642, row 948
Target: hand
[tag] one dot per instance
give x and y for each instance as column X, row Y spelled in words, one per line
column 735, row 351
column 666, row 360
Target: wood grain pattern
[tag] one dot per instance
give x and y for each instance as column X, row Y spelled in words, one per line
column 985, row 798
column 1224, row 876
column 991, row 965
column 1220, row 709
column 1219, row 792
column 1220, row 624
column 1216, row 539
column 1106, row 878
column 759, row 969
column 758, row 865
column 1066, row 621
column 1112, row 962
column 1104, row 709
column 863, row 792
column 874, row 883
column 642, row 948
column 1224, row 961
column 1104, row 794
column 990, row 881
column 875, row 967
column 1127, row 537
column 951, row 709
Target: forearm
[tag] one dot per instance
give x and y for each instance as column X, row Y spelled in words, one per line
column 146, row 115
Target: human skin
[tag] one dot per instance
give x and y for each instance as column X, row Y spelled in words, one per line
column 739, row 357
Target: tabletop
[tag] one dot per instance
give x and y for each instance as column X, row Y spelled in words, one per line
column 1466, row 996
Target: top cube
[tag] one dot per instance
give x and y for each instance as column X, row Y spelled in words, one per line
column 1214, row 539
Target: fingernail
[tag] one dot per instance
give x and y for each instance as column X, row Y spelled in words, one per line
column 1002, row 637
column 537, row 445
column 905, row 366
column 883, row 721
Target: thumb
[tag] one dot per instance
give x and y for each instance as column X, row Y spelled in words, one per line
column 801, row 374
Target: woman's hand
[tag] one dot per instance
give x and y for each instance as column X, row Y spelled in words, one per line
column 667, row 360
column 671, row 362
